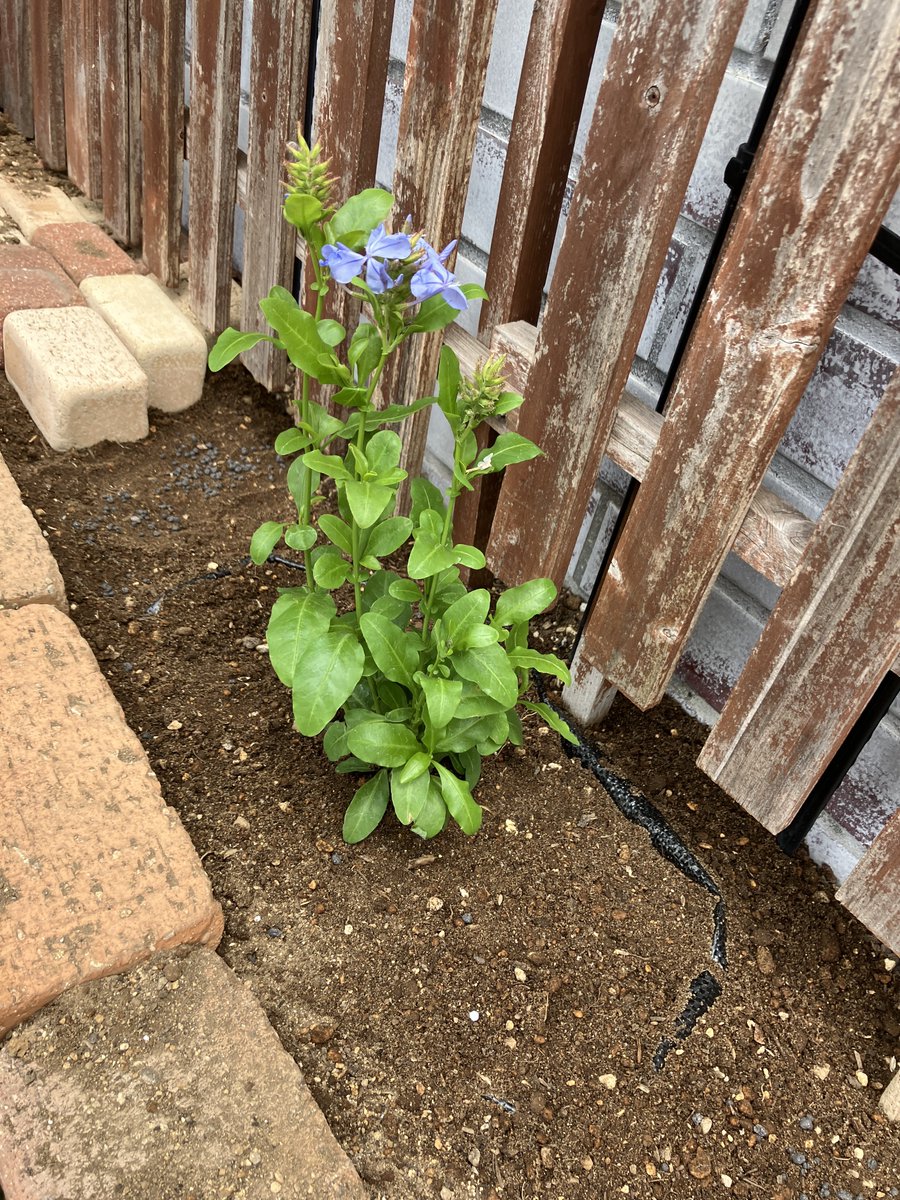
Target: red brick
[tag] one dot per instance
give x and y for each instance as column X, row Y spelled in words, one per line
column 96, row 873
column 32, row 278
column 168, row 1081
column 83, row 250
column 28, row 571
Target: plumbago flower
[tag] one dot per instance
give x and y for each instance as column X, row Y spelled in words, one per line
column 412, row 679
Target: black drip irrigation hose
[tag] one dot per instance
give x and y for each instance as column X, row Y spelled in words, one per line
column 705, row 988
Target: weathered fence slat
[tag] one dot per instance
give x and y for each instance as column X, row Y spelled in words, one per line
column 162, row 134
column 81, row 73
column 119, row 73
column 278, row 69
column 47, row 82
column 16, row 65
column 351, row 74
column 662, row 77
column 212, row 156
column 872, row 890
column 796, row 700
column 823, row 178
column 449, row 46
column 558, row 56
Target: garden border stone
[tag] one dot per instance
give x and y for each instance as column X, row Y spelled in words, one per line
column 28, row 571
column 33, row 208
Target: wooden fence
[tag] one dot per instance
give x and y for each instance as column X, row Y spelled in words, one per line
column 100, row 84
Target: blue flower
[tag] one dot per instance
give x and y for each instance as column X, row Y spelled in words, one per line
column 433, row 278
column 346, row 264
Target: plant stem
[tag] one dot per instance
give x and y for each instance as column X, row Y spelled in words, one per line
column 306, row 513
column 360, row 445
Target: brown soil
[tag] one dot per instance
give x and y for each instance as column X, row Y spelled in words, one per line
column 558, row 926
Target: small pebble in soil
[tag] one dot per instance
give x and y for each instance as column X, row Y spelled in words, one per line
column 805, row 1122
column 474, row 1014
column 274, row 932
column 434, row 904
column 337, row 859
column 467, row 918
column 760, row 1131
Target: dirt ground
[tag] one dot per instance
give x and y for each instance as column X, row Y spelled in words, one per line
column 476, row 1017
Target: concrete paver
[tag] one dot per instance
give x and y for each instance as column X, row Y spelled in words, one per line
column 166, row 1082
column 83, row 250
column 28, row 571
column 34, row 206
column 96, row 872
column 31, row 278
column 167, row 346
column 75, row 377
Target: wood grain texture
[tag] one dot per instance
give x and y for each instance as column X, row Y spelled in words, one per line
column 348, row 103
column 212, row 156
column 162, row 134
column 278, row 69
column 446, row 65
column 831, row 639
column 872, row 890
column 662, row 77
column 81, row 76
column 119, row 79
column 16, row 87
column 47, row 82
column 818, row 190
column 558, row 56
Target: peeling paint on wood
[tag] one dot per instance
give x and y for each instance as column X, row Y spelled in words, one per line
column 212, row 156
column 831, row 639
column 16, row 64
column 81, row 73
column 662, row 75
column 47, row 82
column 821, row 183
column 119, row 67
column 872, row 891
column 162, row 134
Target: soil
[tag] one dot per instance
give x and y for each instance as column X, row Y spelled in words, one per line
column 476, row 1017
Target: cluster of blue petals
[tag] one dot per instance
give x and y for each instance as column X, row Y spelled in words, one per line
column 431, row 278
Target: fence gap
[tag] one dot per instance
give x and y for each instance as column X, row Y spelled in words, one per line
column 821, row 182
column 212, row 156
column 662, row 77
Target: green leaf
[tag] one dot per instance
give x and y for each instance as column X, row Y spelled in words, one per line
column 299, row 617
column 469, row 765
column 432, row 522
column 382, row 743
column 442, row 697
column 232, row 342
column 337, row 531
column 425, row 495
column 409, row 797
column 296, row 480
column 465, row 812
column 395, row 653
column 302, row 210
column 475, row 703
column 352, row 766
column 397, row 412
column 436, row 313
column 367, row 501
column 366, row 350
column 509, row 448
column 331, row 332
column 405, row 589
column 525, row 601
column 326, row 673
column 555, row 722
column 389, row 536
column 507, row 402
column 469, row 556
column 428, row 556
column 297, row 330
column 322, row 423
column 383, row 451
column 351, row 397
column 476, row 636
column 470, row 609
column 365, row 810
column 396, row 611
column 534, row 660
column 264, row 541
column 290, row 441
column 448, row 383
column 415, row 766
column 489, row 668
column 300, row 537
column 433, row 817
column 335, row 741
column 326, row 464
column 331, row 570
column 360, row 214
column 515, row 728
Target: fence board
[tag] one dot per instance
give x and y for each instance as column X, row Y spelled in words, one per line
column 119, row 75
column 81, row 75
column 449, row 46
column 823, row 178
column 796, row 701
column 872, row 890
column 16, row 65
column 662, row 77
column 47, row 82
column 278, row 68
column 162, row 134
column 212, row 156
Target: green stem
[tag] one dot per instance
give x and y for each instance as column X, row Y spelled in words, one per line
column 360, row 444
column 446, row 537
column 306, row 507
